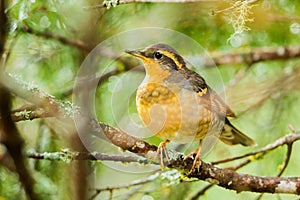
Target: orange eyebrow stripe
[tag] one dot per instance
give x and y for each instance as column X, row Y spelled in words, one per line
column 172, row 56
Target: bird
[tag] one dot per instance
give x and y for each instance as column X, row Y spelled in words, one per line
column 176, row 104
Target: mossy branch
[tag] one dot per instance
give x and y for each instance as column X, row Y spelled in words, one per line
column 223, row 177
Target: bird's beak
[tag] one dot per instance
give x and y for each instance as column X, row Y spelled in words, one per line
column 135, row 53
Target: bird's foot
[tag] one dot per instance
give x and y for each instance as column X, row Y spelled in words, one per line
column 162, row 152
column 197, row 162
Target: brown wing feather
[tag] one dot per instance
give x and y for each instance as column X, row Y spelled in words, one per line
column 209, row 98
column 219, row 106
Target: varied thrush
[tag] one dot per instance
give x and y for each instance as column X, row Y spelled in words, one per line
column 176, row 104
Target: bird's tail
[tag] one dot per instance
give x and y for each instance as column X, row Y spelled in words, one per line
column 233, row 136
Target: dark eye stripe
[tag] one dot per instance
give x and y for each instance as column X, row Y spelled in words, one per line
column 169, row 62
column 174, row 66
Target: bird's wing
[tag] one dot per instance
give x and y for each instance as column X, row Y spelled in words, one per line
column 208, row 97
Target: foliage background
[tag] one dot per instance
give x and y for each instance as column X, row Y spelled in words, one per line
column 52, row 66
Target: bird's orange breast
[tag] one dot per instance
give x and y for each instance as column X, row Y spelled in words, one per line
column 172, row 113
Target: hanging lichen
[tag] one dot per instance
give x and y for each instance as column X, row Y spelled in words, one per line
column 239, row 15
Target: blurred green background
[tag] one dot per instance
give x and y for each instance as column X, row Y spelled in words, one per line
column 265, row 97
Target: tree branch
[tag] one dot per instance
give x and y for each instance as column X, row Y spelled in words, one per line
column 30, row 114
column 65, row 40
column 134, row 183
column 288, row 139
column 251, row 57
column 223, row 177
column 243, row 182
column 285, row 164
column 287, row 159
column 255, row 56
column 113, row 3
column 201, row 192
column 44, row 105
column 235, row 5
column 67, row 156
column 283, row 18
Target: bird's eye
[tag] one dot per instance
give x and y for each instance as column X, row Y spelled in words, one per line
column 158, row 55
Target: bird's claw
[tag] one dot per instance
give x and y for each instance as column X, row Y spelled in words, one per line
column 197, row 160
column 162, row 152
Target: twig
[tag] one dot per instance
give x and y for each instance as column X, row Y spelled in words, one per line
column 287, row 159
column 285, row 164
column 44, row 105
column 113, row 3
column 30, row 115
column 240, row 165
column 130, row 194
column 67, row 156
column 255, row 56
column 49, row 35
column 283, row 18
column 290, row 138
column 201, row 192
column 234, row 6
column 292, row 128
column 132, row 184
